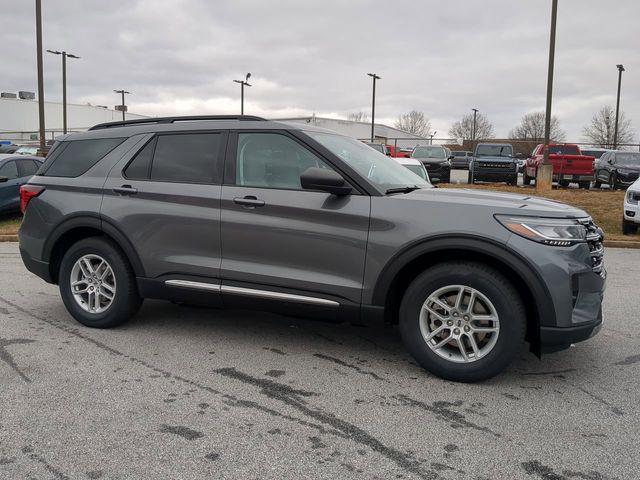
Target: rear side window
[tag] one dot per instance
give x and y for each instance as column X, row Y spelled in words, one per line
column 188, row 158
column 72, row 159
column 27, row 168
column 9, row 170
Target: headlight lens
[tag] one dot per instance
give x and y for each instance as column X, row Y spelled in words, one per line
column 632, row 197
column 559, row 232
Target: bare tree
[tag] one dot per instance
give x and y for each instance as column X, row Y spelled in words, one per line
column 414, row 122
column 463, row 128
column 531, row 127
column 601, row 129
column 358, row 117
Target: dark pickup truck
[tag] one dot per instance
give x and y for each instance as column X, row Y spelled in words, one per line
column 493, row 162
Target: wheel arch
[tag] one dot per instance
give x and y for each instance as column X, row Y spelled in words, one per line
column 413, row 260
column 77, row 228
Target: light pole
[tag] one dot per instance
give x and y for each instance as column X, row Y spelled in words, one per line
column 431, row 137
column 615, row 131
column 544, row 176
column 607, row 124
column 243, row 83
column 65, row 55
column 40, row 74
column 373, row 104
column 475, row 124
column 123, row 107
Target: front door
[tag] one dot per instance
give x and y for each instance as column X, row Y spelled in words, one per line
column 277, row 237
column 10, row 190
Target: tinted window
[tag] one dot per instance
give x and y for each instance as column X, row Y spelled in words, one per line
column 140, row 167
column 9, row 170
column 564, row 149
column 494, row 151
column 78, row 156
column 27, row 168
column 429, row 152
column 628, row 158
column 189, row 157
column 418, row 170
column 274, row 161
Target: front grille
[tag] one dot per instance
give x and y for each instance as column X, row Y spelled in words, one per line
column 595, row 237
column 506, row 166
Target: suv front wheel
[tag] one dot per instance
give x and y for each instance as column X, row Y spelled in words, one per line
column 462, row 321
column 97, row 284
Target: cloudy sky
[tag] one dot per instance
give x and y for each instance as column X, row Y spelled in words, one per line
column 442, row 58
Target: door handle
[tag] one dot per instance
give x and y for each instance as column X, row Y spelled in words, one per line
column 249, row 201
column 125, row 190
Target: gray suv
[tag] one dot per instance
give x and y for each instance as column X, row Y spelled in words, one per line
column 245, row 212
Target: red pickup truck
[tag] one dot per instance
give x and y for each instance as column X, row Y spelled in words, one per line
column 569, row 165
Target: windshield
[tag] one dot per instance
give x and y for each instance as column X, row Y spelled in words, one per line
column 376, row 146
column 564, row 149
column 494, row 151
column 418, row 170
column 628, row 159
column 384, row 172
column 428, row 152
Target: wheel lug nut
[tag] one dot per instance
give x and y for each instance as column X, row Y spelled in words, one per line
column 455, row 314
column 450, row 323
column 467, row 328
column 456, row 331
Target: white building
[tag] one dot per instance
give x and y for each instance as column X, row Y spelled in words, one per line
column 362, row 130
column 19, row 118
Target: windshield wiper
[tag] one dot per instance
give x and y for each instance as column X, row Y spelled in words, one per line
column 407, row 189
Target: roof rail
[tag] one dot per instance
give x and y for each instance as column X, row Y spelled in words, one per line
column 192, row 118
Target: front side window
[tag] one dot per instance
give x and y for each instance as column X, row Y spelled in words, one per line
column 27, row 168
column 272, row 160
column 9, row 170
column 384, row 172
column 628, row 159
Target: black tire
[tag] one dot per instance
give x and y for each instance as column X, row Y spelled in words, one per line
column 490, row 283
column 126, row 301
column 513, row 181
column 470, row 180
column 613, row 181
column 526, row 179
column 584, row 185
column 629, row 228
column 563, row 183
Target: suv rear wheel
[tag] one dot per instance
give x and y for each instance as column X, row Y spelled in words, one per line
column 97, row 284
column 462, row 321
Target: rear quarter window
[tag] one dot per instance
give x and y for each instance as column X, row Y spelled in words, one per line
column 74, row 158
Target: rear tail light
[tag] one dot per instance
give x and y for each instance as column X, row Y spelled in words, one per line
column 27, row 192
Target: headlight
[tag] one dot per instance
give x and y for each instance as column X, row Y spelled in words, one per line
column 559, row 232
column 632, row 197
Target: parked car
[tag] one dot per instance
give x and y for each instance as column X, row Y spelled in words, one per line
column 8, row 149
column 27, row 150
column 521, row 159
column 493, row 162
column 461, row 159
column 379, row 147
column 435, row 160
column 569, row 165
column 617, row 168
column 594, row 152
column 415, row 166
column 398, row 152
column 15, row 170
column 245, row 212
column 631, row 209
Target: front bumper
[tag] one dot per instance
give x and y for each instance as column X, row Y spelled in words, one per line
column 495, row 174
column 437, row 172
column 632, row 210
column 553, row 339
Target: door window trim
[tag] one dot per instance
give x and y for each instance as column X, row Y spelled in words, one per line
column 231, row 161
column 218, row 174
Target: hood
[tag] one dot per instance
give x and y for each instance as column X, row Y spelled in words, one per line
column 505, row 203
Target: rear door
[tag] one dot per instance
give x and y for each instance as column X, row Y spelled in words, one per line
column 276, row 237
column 166, row 202
column 9, row 190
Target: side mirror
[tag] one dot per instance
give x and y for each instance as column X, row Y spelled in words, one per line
column 314, row 178
column 4, row 179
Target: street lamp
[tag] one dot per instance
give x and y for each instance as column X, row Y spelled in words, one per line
column 615, row 131
column 473, row 133
column 65, row 55
column 243, row 83
column 431, row 137
column 40, row 74
column 544, row 176
column 123, row 107
column 373, row 104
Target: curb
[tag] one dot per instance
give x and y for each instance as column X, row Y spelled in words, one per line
column 8, row 238
column 622, row 243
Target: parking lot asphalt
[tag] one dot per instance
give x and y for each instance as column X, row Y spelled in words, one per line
column 183, row 392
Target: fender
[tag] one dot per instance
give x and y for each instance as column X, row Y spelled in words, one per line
column 93, row 220
column 470, row 243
